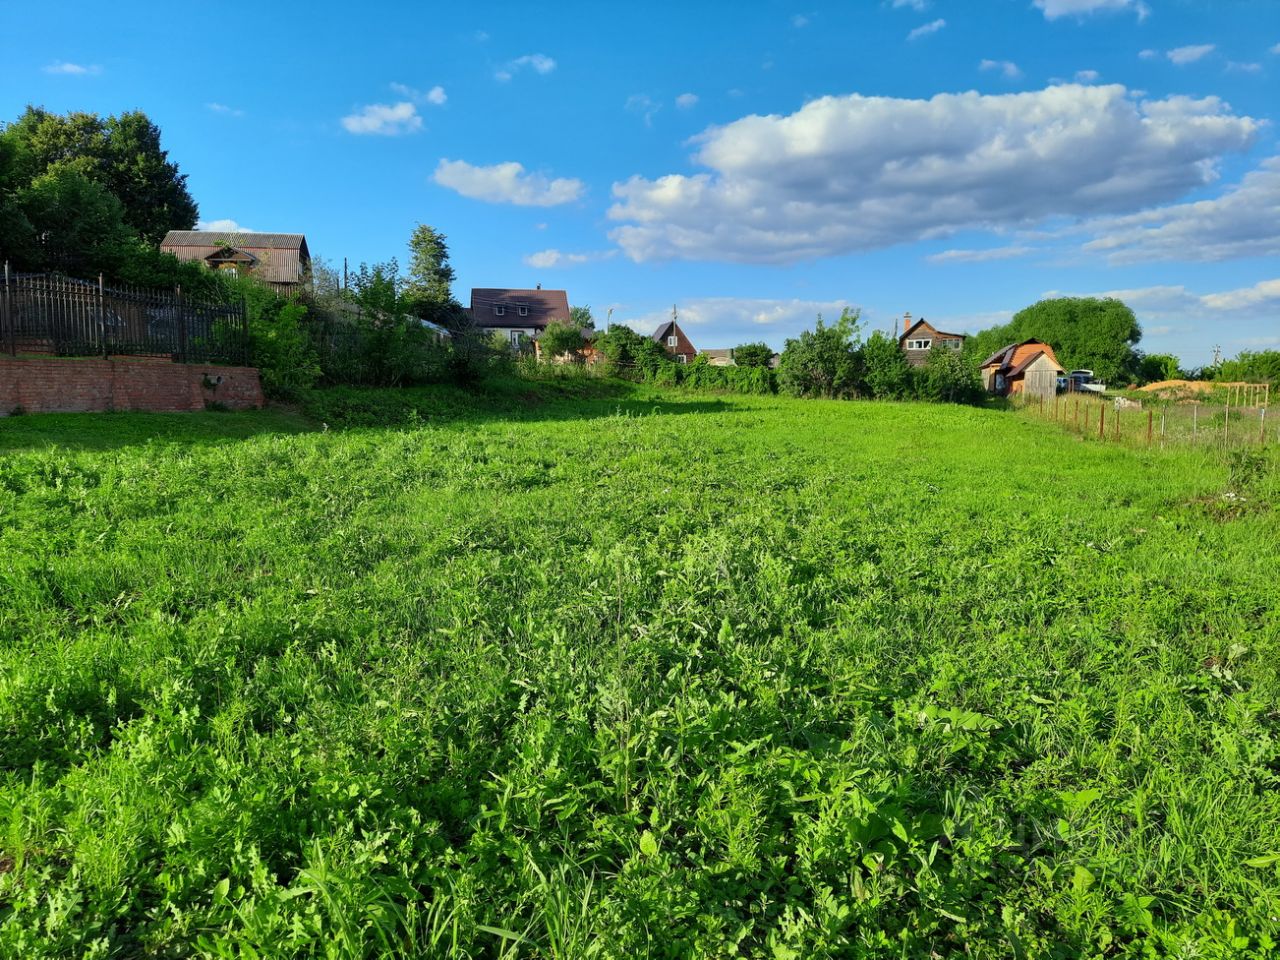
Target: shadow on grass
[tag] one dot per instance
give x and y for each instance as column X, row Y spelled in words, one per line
column 348, row 408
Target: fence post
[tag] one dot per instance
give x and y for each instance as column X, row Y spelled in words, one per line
column 102, row 317
column 245, row 343
column 8, row 315
column 182, row 326
column 1102, row 421
column 1151, row 414
column 1262, row 425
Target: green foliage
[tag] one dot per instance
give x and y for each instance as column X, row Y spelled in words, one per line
column 1262, row 366
column 630, row 354
column 76, row 226
column 122, row 154
column 561, row 339
column 752, row 355
column 637, row 675
column 701, row 375
column 947, row 378
column 885, row 369
column 581, row 317
column 1154, row 367
column 280, row 344
column 823, row 362
column 428, row 290
column 1085, row 333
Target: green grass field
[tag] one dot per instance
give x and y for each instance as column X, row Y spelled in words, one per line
column 633, row 675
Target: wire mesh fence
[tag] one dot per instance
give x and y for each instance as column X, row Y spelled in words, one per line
column 1154, row 423
column 48, row 314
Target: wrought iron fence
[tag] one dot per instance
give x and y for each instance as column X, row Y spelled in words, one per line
column 49, row 314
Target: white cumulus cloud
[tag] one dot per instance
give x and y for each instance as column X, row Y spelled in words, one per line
column 729, row 321
column 919, row 6
column 434, row 96
column 507, row 183
column 384, row 119
column 1243, row 222
column 924, row 31
column 1087, row 76
column 1180, row 56
column 1053, row 9
column 1007, row 68
column 687, row 101
column 537, row 62
column 222, row 226
column 555, row 258
column 72, row 69
column 979, row 256
column 855, row 173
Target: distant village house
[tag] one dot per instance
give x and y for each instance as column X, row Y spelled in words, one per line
column 920, row 336
column 518, row 316
column 279, row 259
column 672, row 339
column 1030, row 368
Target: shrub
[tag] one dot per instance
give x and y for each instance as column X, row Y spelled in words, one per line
column 823, row 362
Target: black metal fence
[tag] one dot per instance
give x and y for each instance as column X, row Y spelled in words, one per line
column 50, row 314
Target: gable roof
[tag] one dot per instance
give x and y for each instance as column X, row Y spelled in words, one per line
column 545, row 306
column 1016, row 357
column 936, row 332
column 241, row 239
column 672, row 329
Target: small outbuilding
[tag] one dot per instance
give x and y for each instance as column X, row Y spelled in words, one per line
column 1030, row 368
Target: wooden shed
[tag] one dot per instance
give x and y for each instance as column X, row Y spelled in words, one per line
column 1030, row 368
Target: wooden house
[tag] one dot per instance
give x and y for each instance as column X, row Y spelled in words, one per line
column 518, row 316
column 1030, row 368
column 719, row 357
column 279, row 259
column 674, row 341
column 920, row 336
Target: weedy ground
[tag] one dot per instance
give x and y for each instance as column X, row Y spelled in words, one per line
column 632, row 675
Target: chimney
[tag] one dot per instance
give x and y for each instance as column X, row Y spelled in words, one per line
column 906, row 321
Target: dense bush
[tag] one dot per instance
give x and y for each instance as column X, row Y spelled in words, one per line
column 823, row 362
column 701, row 375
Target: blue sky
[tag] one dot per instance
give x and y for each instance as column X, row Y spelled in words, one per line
column 753, row 164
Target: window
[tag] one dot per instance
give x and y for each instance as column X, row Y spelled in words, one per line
column 523, row 311
column 919, row 344
column 951, row 344
column 517, row 336
column 499, row 310
column 673, row 341
column 684, row 358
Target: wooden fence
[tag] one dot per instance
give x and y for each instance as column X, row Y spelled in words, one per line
column 1118, row 419
column 48, row 314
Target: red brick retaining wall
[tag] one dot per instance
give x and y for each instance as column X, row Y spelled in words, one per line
column 95, row 385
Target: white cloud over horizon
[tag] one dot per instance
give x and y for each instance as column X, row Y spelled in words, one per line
column 434, row 96
column 851, row 173
column 72, row 69
column 1055, row 9
column 506, row 183
column 1181, row 56
column 687, row 101
column 1007, row 68
column 980, row 256
column 730, row 321
column 1244, row 221
column 223, row 226
column 539, row 63
column 381, row 119
column 924, row 31
column 552, row 258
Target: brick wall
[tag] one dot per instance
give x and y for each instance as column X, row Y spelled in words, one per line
column 95, row 385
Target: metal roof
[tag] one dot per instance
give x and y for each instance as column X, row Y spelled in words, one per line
column 234, row 238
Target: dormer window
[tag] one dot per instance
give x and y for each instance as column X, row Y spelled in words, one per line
column 499, row 310
column 522, row 310
column 673, row 341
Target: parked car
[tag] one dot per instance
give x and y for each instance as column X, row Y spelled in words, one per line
column 1083, row 381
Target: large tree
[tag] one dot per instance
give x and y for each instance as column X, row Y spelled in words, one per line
column 429, row 287
column 1085, row 332
column 122, row 154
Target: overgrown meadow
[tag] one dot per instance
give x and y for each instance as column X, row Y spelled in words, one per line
column 631, row 675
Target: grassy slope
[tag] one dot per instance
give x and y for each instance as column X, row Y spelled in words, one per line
column 651, row 676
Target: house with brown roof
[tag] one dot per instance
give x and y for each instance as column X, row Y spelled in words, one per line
column 1030, row 368
column 920, row 336
column 279, row 259
column 672, row 339
column 517, row 315
column 718, row 357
